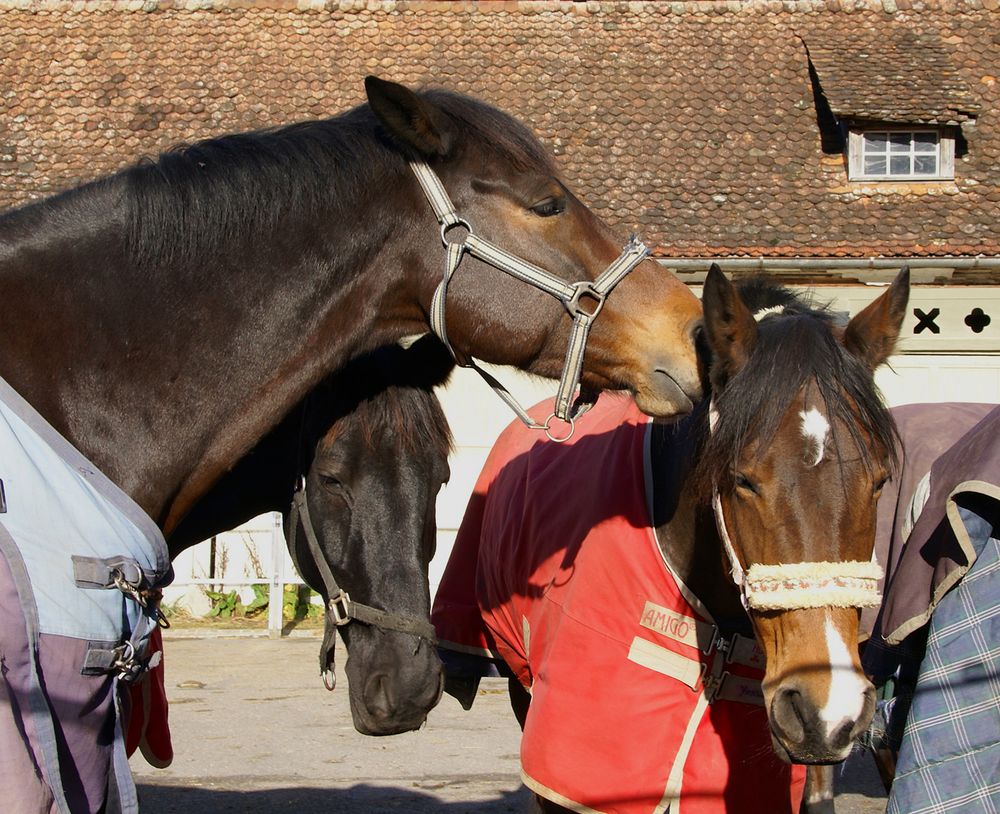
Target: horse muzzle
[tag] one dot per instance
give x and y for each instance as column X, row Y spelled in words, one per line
column 805, row 731
column 394, row 685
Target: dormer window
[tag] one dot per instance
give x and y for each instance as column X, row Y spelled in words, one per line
column 900, row 154
column 893, row 100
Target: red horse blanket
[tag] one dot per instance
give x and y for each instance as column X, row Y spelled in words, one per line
column 634, row 707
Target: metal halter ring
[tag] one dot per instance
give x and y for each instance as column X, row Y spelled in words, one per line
column 459, row 223
column 548, row 428
column 329, row 679
column 585, row 288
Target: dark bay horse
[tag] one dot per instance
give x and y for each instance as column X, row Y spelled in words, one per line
column 163, row 319
column 372, row 446
column 679, row 604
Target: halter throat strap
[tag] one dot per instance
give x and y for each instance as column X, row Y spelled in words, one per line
column 571, row 295
column 340, row 608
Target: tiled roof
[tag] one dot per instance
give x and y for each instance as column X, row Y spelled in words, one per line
column 691, row 123
column 892, row 76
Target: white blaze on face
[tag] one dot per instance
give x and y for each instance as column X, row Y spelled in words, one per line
column 815, row 429
column 847, row 685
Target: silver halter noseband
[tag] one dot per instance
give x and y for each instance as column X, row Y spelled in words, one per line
column 569, row 294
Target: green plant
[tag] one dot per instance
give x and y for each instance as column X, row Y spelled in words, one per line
column 225, row 605
column 297, row 603
column 260, row 600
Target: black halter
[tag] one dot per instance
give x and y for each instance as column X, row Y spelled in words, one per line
column 340, row 608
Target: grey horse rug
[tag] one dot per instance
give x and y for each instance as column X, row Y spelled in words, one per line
column 80, row 570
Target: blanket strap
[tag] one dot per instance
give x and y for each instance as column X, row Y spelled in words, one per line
column 711, row 677
column 128, row 659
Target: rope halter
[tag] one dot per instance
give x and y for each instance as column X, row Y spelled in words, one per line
column 569, row 294
column 794, row 586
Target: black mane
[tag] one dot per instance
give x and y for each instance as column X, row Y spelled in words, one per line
column 240, row 188
column 796, row 347
column 391, row 390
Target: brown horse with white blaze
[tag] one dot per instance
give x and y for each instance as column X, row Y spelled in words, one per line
column 674, row 600
column 796, row 504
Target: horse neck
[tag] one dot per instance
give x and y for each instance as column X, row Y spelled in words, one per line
column 166, row 377
column 262, row 481
column 685, row 523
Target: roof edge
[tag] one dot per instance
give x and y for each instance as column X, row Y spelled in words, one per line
column 615, row 7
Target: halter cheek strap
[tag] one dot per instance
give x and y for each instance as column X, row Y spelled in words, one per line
column 569, row 294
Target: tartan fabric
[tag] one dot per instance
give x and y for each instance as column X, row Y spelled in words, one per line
column 950, row 756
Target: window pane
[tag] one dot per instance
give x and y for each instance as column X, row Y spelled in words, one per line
column 925, row 142
column 899, row 165
column 925, row 165
column 876, row 142
column 874, row 165
column 900, row 142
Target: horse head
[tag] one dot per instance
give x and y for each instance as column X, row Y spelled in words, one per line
column 799, row 445
column 370, row 493
column 506, row 189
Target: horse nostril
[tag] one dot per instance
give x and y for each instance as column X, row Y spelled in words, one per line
column 843, row 734
column 378, row 696
column 788, row 715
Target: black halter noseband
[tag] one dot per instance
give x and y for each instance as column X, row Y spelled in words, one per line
column 340, row 608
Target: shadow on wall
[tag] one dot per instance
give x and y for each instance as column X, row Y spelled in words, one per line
column 156, row 799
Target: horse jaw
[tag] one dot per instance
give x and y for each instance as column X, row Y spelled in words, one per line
column 657, row 322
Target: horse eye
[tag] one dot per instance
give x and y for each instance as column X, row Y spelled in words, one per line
column 549, row 207
column 879, row 484
column 331, row 482
column 743, row 482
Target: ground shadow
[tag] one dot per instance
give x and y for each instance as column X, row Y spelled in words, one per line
column 157, row 799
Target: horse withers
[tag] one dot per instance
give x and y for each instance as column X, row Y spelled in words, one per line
column 367, row 452
column 679, row 603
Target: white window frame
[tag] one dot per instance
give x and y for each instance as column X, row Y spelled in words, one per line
column 855, row 153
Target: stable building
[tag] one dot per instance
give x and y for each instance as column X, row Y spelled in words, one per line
column 825, row 143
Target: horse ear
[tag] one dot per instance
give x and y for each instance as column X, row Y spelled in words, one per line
column 730, row 329
column 411, row 120
column 871, row 335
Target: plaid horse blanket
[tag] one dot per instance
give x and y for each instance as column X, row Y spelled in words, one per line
column 80, row 565
column 945, row 582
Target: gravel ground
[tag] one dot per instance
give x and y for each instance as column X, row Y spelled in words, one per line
column 255, row 731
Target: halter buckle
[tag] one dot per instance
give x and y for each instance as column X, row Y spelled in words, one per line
column 585, row 288
column 339, row 608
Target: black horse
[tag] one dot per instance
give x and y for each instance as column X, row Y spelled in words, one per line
column 370, row 449
column 164, row 319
